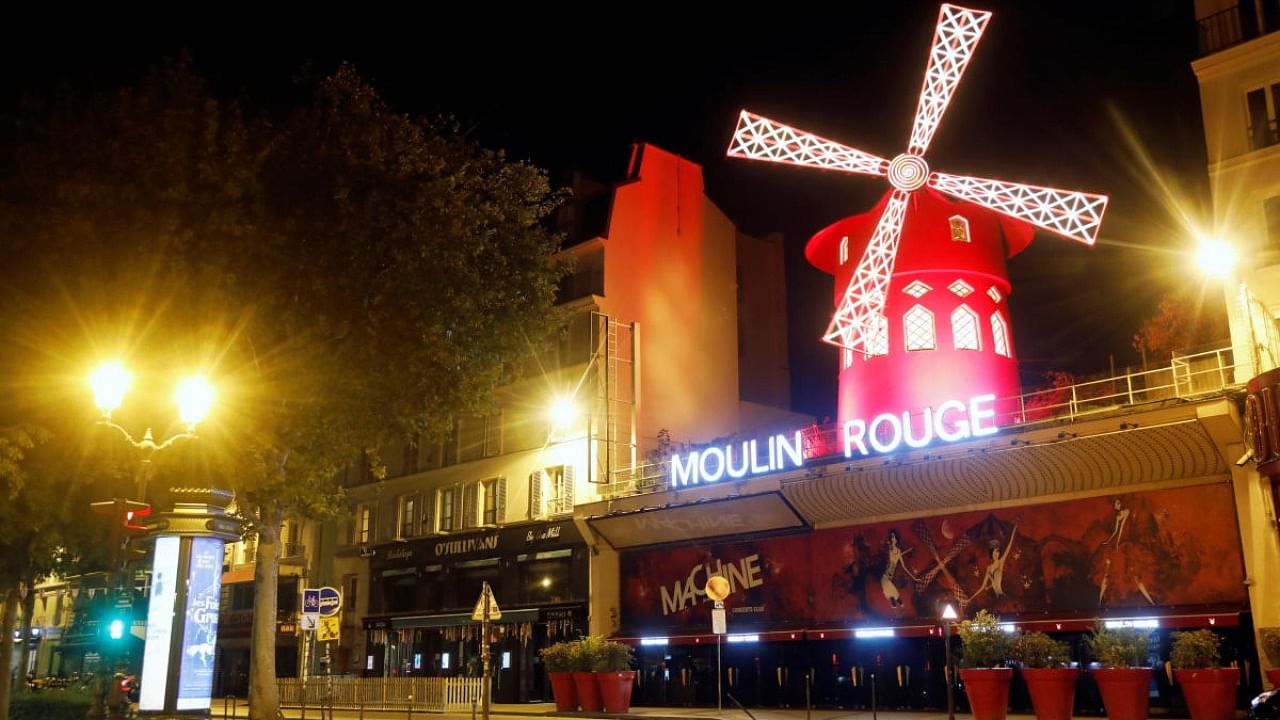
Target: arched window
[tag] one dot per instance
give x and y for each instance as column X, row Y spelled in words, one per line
column 1000, row 334
column 878, row 343
column 964, row 328
column 844, row 249
column 959, row 228
column 918, row 329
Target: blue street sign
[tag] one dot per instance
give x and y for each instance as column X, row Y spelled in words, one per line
column 330, row 602
column 311, row 600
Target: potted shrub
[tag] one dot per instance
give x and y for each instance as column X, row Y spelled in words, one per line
column 984, row 647
column 1271, row 648
column 1123, row 679
column 614, row 673
column 1051, row 683
column 1210, row 690
column 558, row 659
column 586, row 652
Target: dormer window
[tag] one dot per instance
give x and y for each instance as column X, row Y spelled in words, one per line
column 959, row 228
column 844, row 249
column 916, row 289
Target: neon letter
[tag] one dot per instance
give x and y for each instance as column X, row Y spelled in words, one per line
column 976, row 415
column 707, row 475
column 791, row 450
column 684, row 474
column 875, row 433
column 736, row 472
column 940, row 422
column 928, row 429
column 756, row 467
column 851, row 438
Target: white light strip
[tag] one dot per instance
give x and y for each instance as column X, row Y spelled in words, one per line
column 741, row 638
column 1009, row 627
column 865, row 633
column 654, row 641
column 1132, row 623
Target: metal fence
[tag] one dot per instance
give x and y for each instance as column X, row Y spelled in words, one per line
column 417, row 693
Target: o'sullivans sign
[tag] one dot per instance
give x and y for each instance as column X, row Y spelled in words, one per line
column 952, row 421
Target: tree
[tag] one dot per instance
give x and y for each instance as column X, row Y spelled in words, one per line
column 349, row 275
column 1178, row 324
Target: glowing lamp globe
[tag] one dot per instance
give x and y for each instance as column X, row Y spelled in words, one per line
column 195, row 398
column 1215, row 258
column 717, row 587
column 562, row 412
column 109, row 382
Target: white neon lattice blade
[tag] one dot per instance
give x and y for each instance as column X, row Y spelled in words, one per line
column 853, row 325
column 1071, row 214
column 759, row 138
column 954, row 40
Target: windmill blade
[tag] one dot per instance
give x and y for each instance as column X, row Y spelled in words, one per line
column 853, row 324
column 957, row 34
column 1071, row 214
column 759, row 138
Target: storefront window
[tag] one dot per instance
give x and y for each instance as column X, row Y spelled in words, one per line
column 546, row 580
column 472, row 577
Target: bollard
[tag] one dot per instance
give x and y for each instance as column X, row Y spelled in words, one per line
column 873, row 696
column 360, row 705
column 808, row 695
column 410, row 714
column 473, row 709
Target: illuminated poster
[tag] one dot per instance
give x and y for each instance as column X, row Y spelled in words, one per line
column 1155, row 549
column 204, row 581
column 164, row 590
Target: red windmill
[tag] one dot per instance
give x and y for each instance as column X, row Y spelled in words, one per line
column 950, row 272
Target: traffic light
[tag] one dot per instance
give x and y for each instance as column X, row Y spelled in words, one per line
column 113, row 627
column 124, row 525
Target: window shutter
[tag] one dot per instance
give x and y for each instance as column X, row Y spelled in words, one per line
column 501, row 489
column 470, row 493
column 566, row 501
column 535, row 494
column 429, row 513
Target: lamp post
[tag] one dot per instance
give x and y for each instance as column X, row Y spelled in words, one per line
column 186, row 571
column 1218, row 260
column 948, row 620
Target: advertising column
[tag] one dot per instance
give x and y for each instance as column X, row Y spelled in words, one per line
column 182, row 620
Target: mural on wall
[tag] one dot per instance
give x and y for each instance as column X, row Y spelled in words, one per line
column 1159, row 548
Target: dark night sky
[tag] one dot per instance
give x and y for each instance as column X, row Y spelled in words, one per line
column 1043, row 102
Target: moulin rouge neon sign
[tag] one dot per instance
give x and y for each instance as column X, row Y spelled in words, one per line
column 951, row 421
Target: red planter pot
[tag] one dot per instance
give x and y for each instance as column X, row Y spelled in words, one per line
column 1210, row 694
column 1124, row 691
column 588, row 691
column 1273, row 677
column 564, row 691
column 1053, row 691
column 615, row 690
column 988, row 691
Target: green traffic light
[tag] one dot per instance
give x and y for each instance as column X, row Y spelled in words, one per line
column 116, row 629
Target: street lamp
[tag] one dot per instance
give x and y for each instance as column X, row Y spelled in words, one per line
column 1217, row 260
column 186, row 570
column 948, row 620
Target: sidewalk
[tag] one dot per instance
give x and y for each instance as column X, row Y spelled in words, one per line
column 547, row 710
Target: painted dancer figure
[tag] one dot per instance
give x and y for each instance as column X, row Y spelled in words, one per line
column 993, row 578
column 896, row 555
column 1122, row 518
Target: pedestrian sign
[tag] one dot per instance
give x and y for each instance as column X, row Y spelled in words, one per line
column 330, row 629
column 486, row 596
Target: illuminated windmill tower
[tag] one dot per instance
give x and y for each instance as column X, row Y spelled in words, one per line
column 925, row 320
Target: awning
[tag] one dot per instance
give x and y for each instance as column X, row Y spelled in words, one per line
column 700, row 520
column 449, row 619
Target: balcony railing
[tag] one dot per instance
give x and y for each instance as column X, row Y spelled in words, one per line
column 1236, row 25
column 1186, row 376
